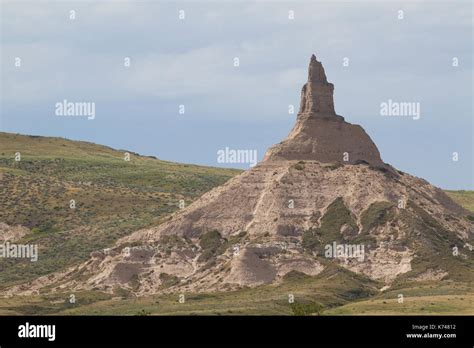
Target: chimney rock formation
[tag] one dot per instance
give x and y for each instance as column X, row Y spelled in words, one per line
column 317, row 93
column 277, row 219
column 319, row 133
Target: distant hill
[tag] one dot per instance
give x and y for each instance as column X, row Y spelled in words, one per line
column 113, row 197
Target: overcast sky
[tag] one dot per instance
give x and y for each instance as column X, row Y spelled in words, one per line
column 190, row 62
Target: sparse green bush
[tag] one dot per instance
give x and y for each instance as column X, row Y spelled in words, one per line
column 210, row 242
column 377, row 214
column 308, row 308
column 168, row 280
column 310, row 239
column 333, row 165
column 143, row 312
column 299, row 165
column 335, row 217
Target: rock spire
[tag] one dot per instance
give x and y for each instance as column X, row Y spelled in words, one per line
column 319, row 133
column 317, row 93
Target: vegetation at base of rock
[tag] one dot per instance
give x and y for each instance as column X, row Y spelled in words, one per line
column 338, row 290
column 143, row 313
column 309, row 308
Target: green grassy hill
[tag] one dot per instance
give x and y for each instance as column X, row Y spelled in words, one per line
column 113, row 197
column 463, row 198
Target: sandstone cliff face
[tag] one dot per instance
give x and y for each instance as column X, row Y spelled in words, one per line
column 281, row 216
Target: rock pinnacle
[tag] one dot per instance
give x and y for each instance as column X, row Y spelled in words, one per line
column 319, row 133
column 317, row 93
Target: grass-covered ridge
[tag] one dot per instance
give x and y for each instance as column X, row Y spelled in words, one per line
column 113, row 197
column 463, row 198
